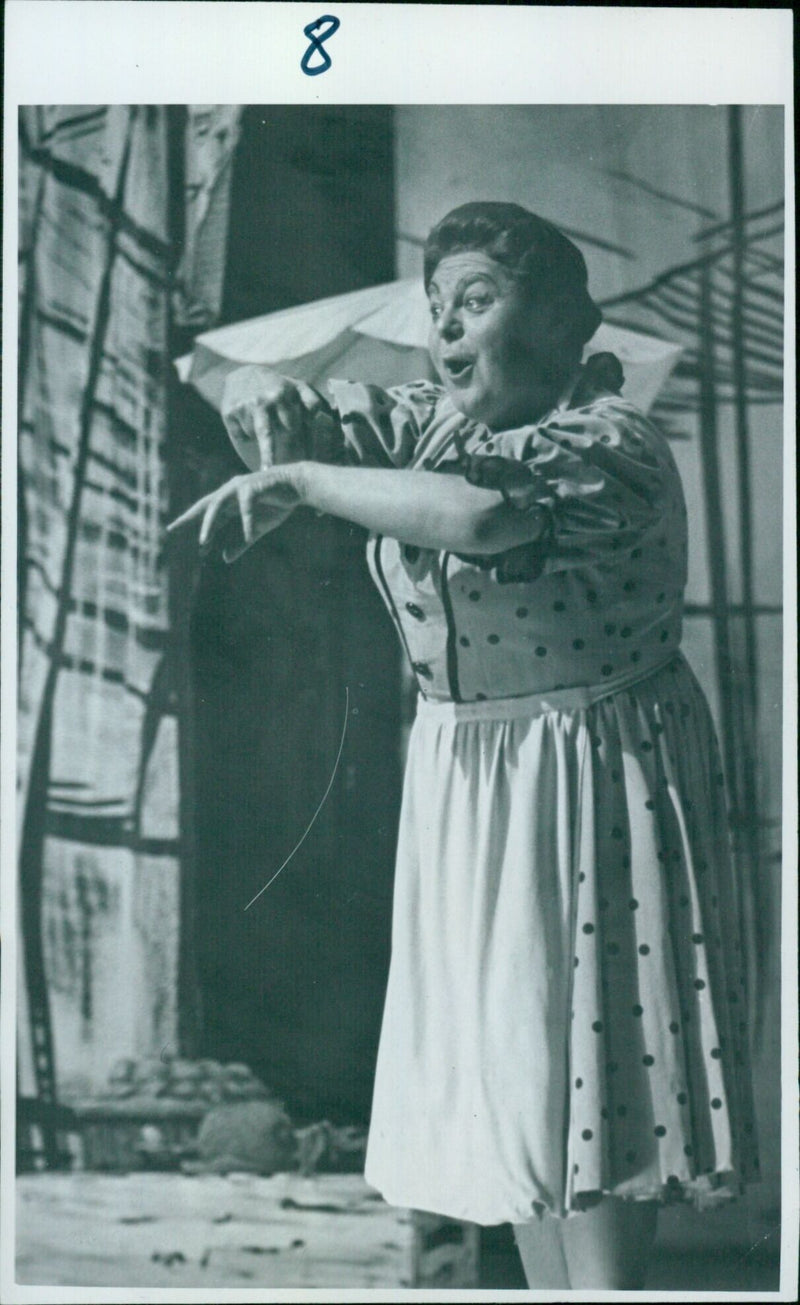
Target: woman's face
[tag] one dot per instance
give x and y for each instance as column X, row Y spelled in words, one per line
column 494, row 350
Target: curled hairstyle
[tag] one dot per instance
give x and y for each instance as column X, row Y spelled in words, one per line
column 532, row 250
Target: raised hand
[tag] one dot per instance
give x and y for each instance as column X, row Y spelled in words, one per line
column 268, row 417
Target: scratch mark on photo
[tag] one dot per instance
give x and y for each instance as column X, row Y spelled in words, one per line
column 323, row 800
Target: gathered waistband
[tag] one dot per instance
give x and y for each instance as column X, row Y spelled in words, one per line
column 576, row 698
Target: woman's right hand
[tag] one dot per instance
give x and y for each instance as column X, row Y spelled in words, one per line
column 268, row 416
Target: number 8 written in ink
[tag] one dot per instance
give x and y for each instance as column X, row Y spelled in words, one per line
column 317, row 39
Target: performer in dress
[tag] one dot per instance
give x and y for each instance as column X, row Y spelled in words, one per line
column 564, row 1032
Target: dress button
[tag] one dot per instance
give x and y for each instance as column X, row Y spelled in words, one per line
column 423, row 669
column 415, row 611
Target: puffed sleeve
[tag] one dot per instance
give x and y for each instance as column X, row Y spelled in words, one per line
column 520, row 483
column 374, row 427
column 604, row 473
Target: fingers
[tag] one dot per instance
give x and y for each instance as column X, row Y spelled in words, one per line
column 265, row 521
column 234, row 551
column 243, row 440
column 289, row 429
column 288, row 414
column 265, row 415
column 245, row 497
column 195, row 510
column 261, row 430
column 219, row 503
column 311, row 399
column 268, row 493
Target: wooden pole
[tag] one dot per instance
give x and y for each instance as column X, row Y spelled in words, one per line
column 715, row 527
column 740, row 400
column 748, row 741
column 183, row 573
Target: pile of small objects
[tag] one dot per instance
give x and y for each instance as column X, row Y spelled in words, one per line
column 202, row 1116
column 204, row 1082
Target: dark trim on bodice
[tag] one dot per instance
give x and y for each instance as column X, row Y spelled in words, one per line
column 390, row 603
column 452, row 653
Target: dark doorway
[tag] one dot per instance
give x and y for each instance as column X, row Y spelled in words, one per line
column 294, row 986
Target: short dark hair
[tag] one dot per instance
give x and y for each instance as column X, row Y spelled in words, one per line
column 532, row 249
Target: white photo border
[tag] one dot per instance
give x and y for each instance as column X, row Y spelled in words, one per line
column 224, row 51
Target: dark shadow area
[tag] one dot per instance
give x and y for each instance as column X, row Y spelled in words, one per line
column 293, row 986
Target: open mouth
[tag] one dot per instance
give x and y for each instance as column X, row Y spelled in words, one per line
column 457, row 367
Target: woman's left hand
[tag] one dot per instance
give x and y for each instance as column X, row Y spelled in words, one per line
column 260, row 501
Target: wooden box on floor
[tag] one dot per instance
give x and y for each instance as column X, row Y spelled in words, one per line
column 172, row 1230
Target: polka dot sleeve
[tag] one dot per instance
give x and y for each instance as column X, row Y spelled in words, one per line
column 604, row 472
column 520, row 484
column 377, row 427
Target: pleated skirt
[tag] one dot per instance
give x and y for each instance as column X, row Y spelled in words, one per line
column 566, row 1013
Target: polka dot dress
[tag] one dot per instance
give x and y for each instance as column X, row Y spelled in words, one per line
column 565, row 1014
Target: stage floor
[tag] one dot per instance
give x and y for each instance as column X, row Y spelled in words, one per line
column 170, row 1230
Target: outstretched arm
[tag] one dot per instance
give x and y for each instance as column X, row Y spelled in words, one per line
column 425, row 508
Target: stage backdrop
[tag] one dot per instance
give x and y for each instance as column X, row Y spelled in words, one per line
column 102, row 190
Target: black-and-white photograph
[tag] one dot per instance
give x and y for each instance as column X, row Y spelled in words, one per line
column 400, row 696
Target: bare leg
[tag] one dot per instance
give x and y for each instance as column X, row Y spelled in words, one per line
column 539, row 1245
column 609, row 1245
